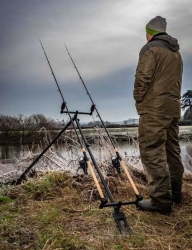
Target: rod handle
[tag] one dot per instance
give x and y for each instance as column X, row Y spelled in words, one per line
column 129, row 177
column 95, row 179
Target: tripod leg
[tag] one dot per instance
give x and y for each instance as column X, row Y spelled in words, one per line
column 22, row 176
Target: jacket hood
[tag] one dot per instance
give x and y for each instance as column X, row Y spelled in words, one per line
column 168, row 40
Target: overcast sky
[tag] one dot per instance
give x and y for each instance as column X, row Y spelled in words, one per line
column 104, row 39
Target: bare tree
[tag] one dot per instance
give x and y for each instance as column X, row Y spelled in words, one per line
column 7, row 123
column 186, row 104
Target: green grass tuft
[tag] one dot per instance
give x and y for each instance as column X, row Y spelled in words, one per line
column 5, row 199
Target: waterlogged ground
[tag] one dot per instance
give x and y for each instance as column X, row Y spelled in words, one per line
column 184, row 131
column 15, row 158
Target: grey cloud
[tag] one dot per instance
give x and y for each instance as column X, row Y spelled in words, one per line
column 104, row 39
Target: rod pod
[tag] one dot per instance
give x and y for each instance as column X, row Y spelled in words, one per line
column 118, row 216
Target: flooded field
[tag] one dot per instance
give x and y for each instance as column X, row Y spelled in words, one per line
column 12, row 156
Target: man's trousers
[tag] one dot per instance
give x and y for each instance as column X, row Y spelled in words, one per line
column 160, row 154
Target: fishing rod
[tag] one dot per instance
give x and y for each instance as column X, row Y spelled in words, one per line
column 118, row 159
column 119, row 216
column 64, row 104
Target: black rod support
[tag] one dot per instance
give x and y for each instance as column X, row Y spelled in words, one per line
column 120, row 203
column 73, row 112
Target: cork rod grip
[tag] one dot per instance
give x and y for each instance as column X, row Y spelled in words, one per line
column 95, row 179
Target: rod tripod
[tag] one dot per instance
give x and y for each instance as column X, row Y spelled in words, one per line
column 118, row 215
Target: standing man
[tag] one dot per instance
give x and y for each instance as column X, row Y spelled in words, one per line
column 157, row 91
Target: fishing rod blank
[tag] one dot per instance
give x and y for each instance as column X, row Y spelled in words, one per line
column 139, row 197
column 64, row 104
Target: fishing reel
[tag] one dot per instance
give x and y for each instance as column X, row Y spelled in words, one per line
column 116, row 164
column 83, row 165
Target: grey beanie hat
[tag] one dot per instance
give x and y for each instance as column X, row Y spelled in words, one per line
column 156, row 25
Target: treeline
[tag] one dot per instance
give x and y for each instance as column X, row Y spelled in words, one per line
column 25, row 129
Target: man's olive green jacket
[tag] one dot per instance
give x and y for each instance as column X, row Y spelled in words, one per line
column 158, row 77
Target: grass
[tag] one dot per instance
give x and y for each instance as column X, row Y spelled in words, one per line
column 55, row 211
